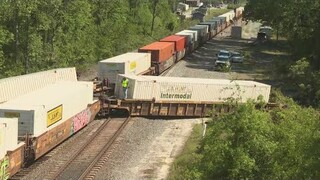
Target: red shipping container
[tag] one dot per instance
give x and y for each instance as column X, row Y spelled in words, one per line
column 179, row 41
column 160, row 51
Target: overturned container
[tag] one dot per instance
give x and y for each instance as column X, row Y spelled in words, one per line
column 128, row 63
column 191, row 89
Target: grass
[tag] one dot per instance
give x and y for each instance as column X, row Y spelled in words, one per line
column 188, row 157
column 215, row 12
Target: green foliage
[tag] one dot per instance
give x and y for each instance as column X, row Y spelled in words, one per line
column 251, row 143
column 48, row 34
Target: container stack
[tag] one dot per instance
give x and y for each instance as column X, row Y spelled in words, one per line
column 162, row 55
column 179, row 44
column 191, row 89
column 128, row 63
column 19, row 85
column 44, row 109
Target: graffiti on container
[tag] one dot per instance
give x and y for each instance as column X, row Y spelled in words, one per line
column 175, row 92
column 81, row 120
column 4, row 164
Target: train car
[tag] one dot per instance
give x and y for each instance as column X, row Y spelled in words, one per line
column 44, row 118
column 222, row 23
column 162, row 55
column 195, row 38
column 202, row 33
column 179, row 44
column 128, row 63
column 15, row 86
column 188, row 42
column 239, row 12
column 179, row 89
column 211, row 27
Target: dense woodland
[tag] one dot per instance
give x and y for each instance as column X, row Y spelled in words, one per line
column 39, row 35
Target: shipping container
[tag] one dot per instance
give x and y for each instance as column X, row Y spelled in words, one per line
column 16, row 86
column 160, row 51
column 10, row 133
column 211, row 26
column 222, row 22
column 128, row 63
column 192, row 89
column 202, row 32
column 196, row 38
column 3, row 150
column 239, row 12
column 180, row 54
column 189, row 41
column 177, row 40
column 217, row 22
column 44, row 109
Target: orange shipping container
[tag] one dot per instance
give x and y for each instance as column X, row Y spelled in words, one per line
column 160, row 51
column 179, row 41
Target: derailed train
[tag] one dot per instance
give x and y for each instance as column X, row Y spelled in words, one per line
column 45, row 110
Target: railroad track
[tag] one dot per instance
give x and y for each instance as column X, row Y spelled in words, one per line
column 89, row 156
column 87, row 161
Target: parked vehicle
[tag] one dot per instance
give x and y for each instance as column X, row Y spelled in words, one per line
column 223, row 60
column 236, row 57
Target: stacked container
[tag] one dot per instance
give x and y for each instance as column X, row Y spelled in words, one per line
column 195, row 38
column 44, row 109
column 129, row 63
column 8, row 135
column 192, row 89
column 162, row 55
column 16, row 86
column 222, row 21
column 217, row 22
column 212, row 28
column 189, row 40
column 239, row 12
column 179, row 44
column 202, row 33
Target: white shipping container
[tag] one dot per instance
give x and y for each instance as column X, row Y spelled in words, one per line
column 195, row 34
column 2, row 142
column 16, row 86
column 191, row 35
column 206, row 26
column 129, row 63
column 46, row 108
column 11, row 133
column 191, row 89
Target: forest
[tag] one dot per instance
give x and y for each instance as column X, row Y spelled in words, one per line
column 39, row 35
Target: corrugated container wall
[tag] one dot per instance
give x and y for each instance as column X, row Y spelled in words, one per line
column 160, row 51
column 11, row 132
column 195, row 34
column 2, row 141
column 192, row 89
column 178, row 40
column 45, row 109
column 128, row 63
column 16, row 86
column 188, row 36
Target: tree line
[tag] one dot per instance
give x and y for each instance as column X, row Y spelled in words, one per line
column 40, row 35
